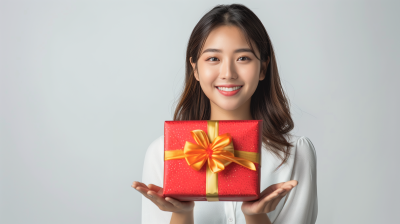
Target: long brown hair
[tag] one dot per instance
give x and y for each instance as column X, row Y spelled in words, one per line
column 268, row 103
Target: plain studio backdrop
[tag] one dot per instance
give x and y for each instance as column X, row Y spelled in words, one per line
column 86, row 86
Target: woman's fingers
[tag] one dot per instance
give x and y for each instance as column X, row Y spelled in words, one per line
column 174, row 202
column 138, row 184
column 274, row 187
column 142, row 188
column 271, row 189
column 271, row 194
column 291, row 183
column 276, row 201
column 153, row 196
column 288, row 188
column 143, row 192
column 266, row 202
column 160, row 201
column 155, row 188
column 269, row 198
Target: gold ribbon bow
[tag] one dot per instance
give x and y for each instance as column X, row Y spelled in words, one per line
column 215, row 155
column 218, row 154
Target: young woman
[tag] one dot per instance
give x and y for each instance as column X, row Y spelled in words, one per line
column 231, row 74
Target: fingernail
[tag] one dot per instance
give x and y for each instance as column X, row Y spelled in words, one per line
column 149, row 195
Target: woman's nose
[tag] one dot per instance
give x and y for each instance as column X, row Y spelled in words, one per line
column 228, row 71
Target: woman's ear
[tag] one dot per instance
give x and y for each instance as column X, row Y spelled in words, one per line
column 264, row 66
column 194, row 70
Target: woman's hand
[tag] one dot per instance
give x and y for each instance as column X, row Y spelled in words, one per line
column 154, row 194
column 269, row 199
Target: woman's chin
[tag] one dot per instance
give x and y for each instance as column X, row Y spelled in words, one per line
column 229, row 106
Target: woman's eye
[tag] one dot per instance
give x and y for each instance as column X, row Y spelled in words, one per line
column 245, row 57
column 211, row 58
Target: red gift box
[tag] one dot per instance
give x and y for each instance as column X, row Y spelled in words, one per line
column 212, row 160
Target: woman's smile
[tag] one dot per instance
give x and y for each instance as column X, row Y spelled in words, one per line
column 228, row 90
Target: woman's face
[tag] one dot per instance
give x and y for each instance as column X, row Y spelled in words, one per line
column 228, row 71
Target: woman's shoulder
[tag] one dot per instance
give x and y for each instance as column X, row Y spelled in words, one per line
column 303, row 146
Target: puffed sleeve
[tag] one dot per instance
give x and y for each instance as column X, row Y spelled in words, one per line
column 153, row 173
column 301, row 204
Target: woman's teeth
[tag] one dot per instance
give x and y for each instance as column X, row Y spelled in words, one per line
column 228, row 89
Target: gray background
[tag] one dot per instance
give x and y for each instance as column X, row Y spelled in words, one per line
column 86, row 85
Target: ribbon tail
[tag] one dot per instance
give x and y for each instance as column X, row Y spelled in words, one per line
column 215, row 165
column 243, row 162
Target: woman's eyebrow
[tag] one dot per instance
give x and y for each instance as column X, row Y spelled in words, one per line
column 220, row 51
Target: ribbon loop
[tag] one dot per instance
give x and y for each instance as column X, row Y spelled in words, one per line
column 201, row 138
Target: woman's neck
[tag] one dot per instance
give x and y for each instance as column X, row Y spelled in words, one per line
column 241, row 113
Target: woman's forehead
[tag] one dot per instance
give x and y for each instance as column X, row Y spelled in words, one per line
column 226, row 35
column 226, row 39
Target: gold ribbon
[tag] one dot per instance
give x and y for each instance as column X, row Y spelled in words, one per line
column 217, row 150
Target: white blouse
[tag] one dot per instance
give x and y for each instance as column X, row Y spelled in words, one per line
column 300, row 206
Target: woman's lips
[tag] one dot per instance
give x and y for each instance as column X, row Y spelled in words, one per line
column 228, row 90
